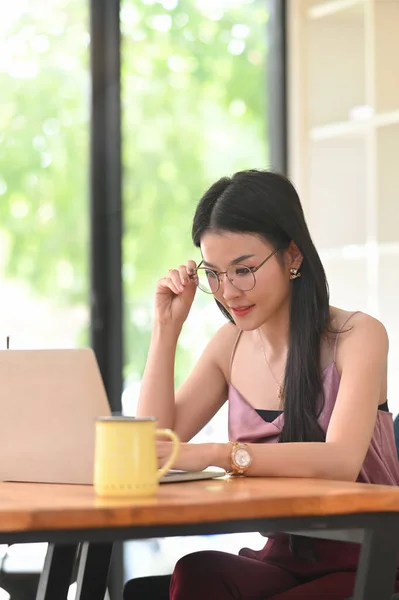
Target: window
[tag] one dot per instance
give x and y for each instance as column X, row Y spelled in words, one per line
column 44, row 137
column 194, row 106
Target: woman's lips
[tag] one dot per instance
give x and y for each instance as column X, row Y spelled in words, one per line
column 241, row 311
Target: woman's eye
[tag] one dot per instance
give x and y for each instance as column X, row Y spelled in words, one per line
column 242, row 271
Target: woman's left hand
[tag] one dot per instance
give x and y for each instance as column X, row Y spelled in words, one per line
column 191, row 457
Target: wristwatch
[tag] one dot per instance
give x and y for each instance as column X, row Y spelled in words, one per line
column 241, row 459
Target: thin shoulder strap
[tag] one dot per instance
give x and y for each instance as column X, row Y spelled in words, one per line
column 341, row 330
column 234, row 351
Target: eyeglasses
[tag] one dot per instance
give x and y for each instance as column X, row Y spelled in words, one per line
column 241, row 276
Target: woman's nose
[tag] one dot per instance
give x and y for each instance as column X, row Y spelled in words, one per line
column 229, row 291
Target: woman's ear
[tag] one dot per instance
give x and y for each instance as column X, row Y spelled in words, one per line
column 294, row 256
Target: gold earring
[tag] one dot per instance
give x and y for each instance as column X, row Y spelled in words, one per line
column 294, row 273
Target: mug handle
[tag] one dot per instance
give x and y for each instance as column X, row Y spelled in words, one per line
column 176, row 444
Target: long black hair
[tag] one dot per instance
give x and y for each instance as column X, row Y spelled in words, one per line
column 267, row 204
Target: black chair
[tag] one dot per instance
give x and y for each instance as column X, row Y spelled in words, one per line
column 396, row 430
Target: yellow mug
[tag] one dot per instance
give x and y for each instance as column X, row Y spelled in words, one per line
column 125, row 461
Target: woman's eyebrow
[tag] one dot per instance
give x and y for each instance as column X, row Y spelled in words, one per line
column 241, row 258
column 233, row 262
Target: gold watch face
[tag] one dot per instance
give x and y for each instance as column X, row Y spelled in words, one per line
column 242, row 458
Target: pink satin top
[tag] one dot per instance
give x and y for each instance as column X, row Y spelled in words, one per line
column 381, row 464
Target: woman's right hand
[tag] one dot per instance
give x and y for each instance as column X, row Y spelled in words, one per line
column 174, row 295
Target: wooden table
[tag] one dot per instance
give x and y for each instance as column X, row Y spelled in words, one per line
column 71, row 517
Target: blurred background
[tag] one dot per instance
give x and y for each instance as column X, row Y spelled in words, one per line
column 116, row 116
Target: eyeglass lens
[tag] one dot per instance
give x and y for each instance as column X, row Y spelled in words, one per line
column 239, row 275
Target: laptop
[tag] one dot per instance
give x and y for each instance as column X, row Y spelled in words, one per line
column 177, row 476
column 49, row 401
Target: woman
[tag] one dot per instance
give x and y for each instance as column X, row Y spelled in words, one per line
column 294, row 369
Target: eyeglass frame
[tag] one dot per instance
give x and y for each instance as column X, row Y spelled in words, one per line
column 253, row 270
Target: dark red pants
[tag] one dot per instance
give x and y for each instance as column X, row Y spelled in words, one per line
column 272, row 573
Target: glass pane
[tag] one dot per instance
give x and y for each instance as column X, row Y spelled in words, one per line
column 194, row 102
column 44, row 128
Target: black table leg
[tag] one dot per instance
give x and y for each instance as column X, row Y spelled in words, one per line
column 93, row 569
column 55, row 578
column 376, row 572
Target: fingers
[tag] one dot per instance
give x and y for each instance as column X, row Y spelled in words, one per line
column 192, row 271
column 184, row 275
column 178, row 279
column 163, row 447
column 172, row 282
column 191, row 267
column 163, row 450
